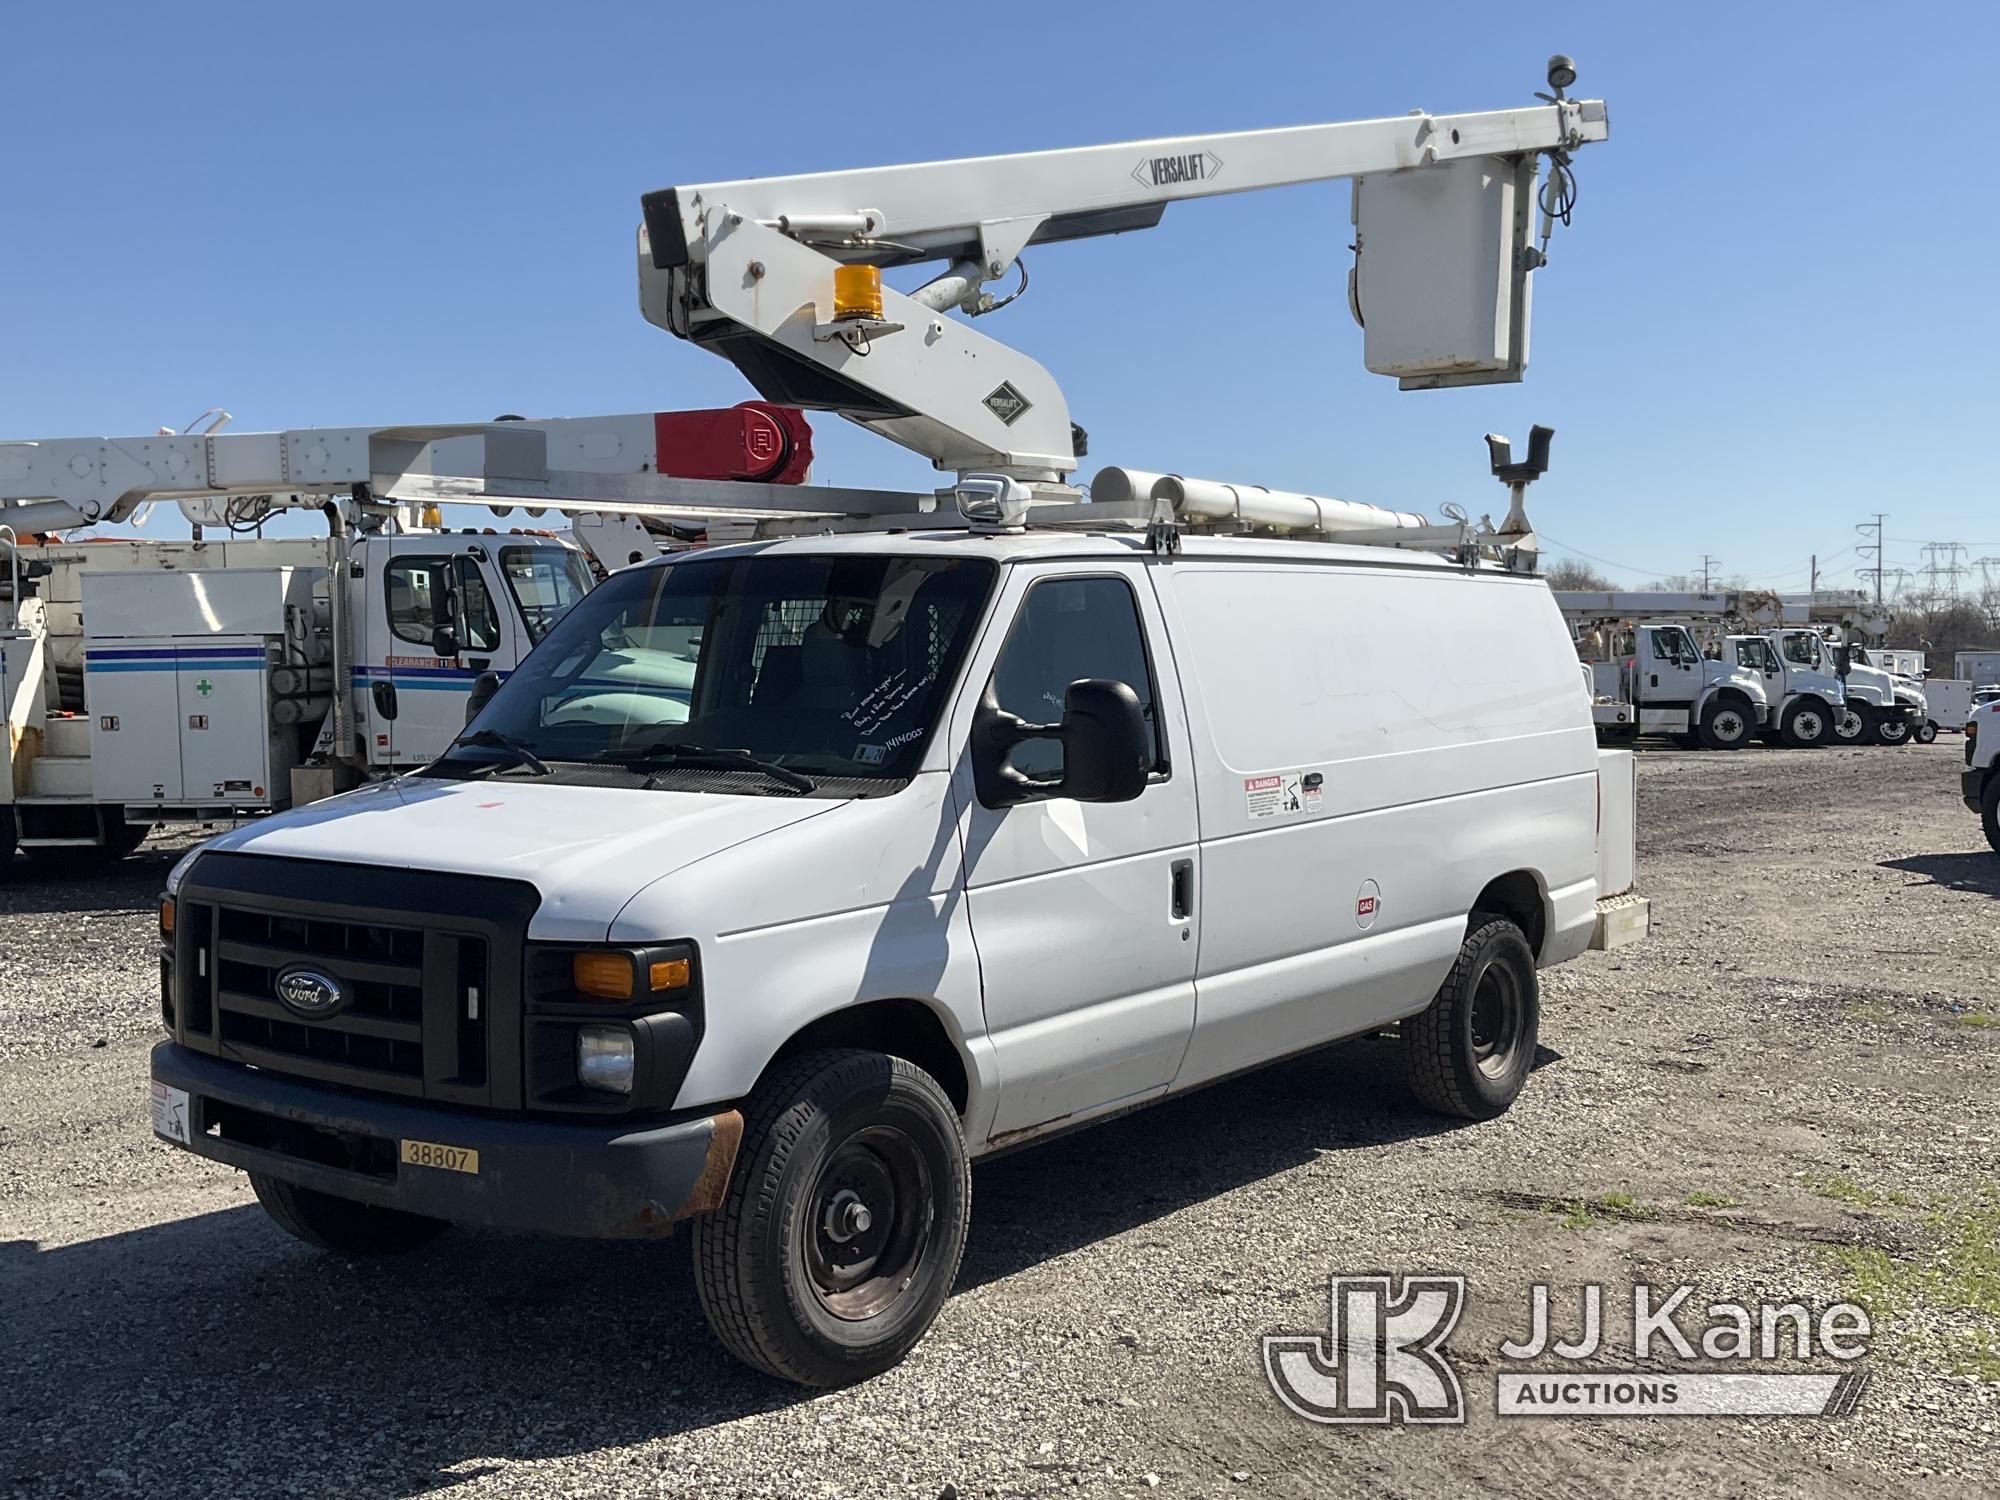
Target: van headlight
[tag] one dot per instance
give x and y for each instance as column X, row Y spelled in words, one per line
column 605, row 1058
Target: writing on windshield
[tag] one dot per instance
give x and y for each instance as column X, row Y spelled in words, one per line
column 832, row 666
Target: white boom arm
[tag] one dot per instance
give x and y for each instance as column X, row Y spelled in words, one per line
column 1754, row 607
column 564, row 464
column 746, row 269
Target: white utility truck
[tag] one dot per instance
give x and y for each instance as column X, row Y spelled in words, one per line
column 1651, row 676
column 147, row 681
column 1980, row 668
column 1948, row 702
column 784, row 879
column 1883, row 708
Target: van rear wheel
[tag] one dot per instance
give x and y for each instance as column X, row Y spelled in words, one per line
column 1470, row 1053
column 1925, row 732
column 845, row 1219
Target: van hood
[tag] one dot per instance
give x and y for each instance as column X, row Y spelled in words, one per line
column 588, row 850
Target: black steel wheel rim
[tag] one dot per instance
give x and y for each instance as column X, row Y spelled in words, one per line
column 1498, row 1019
column 872, row 1211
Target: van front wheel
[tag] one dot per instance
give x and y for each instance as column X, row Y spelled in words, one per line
column 329, row 1223
column 1470, row 1052
column 845, row 1219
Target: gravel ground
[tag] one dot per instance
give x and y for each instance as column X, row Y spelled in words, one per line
column 1790, row 1088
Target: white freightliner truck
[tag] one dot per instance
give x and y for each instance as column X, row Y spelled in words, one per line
column 1650, row 674
column 146, row 681
column 1883, row 707
column 784, row 879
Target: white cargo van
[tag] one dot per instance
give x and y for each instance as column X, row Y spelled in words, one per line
column 784, row 880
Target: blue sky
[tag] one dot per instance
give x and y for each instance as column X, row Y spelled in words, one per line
column 1775, row 313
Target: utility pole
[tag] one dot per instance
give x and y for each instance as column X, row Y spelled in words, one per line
column 1875, row 552
column 1707, row 562
column 1812, row 588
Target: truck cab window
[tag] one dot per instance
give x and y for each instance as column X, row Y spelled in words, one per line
column 1675, row 645
column 1801, row 649
column 407, row 584
column 410, row 587
column 546, row 583
column 478, row 620
column 1069, row 629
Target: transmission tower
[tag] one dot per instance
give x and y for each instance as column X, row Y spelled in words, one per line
column 1874, row 550
column 1944, row 566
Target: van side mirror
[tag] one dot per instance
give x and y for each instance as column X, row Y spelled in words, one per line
column 484, row 686
column 1107, row 748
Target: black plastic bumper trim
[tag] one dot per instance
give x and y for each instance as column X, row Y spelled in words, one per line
column 591, row 1180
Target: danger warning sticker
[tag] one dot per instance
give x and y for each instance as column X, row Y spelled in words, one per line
column 1283, row 795
column 1273, row 796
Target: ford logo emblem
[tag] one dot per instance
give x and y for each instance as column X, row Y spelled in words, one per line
column 309, row 993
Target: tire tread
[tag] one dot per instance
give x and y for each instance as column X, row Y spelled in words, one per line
column 729, row 1261
column 1429, row 1037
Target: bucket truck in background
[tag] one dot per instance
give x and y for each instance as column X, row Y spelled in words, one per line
column 1769, row 669
column 147, row 682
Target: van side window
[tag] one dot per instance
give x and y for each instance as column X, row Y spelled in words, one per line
column 1069, row 629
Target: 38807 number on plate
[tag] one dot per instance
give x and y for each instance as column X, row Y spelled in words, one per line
column 446, row 1158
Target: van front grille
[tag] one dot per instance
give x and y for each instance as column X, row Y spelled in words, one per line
column 428, row 990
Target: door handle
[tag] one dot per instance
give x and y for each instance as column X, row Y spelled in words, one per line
column 1655, row 679
column 479, row 663
column 1180, row 892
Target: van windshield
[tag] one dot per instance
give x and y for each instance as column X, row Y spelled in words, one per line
column 819, row 666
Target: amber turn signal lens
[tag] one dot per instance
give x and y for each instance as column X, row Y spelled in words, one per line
column 166, row 916
column 606, row 975
column 857, row 293
column 669, row 974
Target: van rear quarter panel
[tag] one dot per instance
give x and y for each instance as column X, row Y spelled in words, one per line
column 1440, row 710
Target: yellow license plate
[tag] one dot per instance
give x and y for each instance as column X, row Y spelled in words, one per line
column 448, row 1158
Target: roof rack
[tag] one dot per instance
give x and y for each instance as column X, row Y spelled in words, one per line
column 1164, row 507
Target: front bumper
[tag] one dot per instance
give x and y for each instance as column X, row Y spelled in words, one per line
column 593, row 1180
column 1972, row 786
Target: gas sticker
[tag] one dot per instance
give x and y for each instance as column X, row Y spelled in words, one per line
column 1274, row 796
column 1314, row 785
column 1367, row 902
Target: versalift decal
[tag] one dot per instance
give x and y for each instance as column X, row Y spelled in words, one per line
column 1171, row 171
